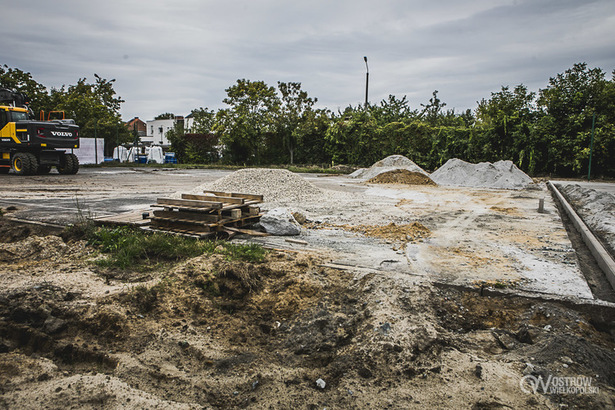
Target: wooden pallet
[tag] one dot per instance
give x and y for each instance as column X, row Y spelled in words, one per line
column 213, row 214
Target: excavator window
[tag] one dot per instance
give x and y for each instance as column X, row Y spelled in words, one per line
column 19, row 116
column 3, row 120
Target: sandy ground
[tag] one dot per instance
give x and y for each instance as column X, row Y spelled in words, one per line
column 453, row 319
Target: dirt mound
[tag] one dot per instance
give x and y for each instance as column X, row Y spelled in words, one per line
column 499, row 175
column 273, row 184
column 402, row 176
column 389, row 163
column 597, row 210
column 33, row 248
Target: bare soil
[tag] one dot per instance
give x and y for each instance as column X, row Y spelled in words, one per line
column 212, row 333
column 401, row 176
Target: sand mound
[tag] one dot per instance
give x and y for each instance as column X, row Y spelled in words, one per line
column 33, row 247
column 402, row 176
column 274, row 184
column 389, row 163
column 597, row 208
column 499, row 175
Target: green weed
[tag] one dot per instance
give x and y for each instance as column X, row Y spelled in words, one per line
column 252, row 253
column 129, row 248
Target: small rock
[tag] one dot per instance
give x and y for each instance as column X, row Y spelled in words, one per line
column 384, row 329
column 478, row 371
column 524, row 335
column 254, row 385
column 566, row 360
column 548, row 328
column 54, row 325
column 299, row 217
column 529, row 369
column 321, row 383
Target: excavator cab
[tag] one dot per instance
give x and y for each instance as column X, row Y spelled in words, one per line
column 52, row 115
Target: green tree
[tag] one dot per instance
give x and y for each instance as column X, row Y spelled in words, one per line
column 353, row 138
column 432, row 112
column 294, row 110
column 250, row 118
column 507, row 120
column 197, row 143
column 95, row 108
column 567, row 107
column 20, row 81
column 393, row 110
column 165, row 116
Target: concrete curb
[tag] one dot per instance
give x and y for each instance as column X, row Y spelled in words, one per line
column 604, row 259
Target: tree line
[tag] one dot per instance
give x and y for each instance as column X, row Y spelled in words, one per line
column 544, row 132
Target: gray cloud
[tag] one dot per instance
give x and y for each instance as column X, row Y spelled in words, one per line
column 177, row 56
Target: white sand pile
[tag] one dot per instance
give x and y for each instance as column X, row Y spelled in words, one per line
column 597, row 208
column 499, row 175
column 274, row 184
column 390, row 163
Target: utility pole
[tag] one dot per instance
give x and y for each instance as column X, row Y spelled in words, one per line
column 366, row 81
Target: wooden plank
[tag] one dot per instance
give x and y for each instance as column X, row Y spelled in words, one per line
column 183, row 232
column 133, row 218
column 297, row 241
column 186, row 221
column 213, row 198
column 246, row 231
column 206, row 211
column 163, row 223
column 190, row 203
column 228, row 207
column 236, row 195
column 197, row 216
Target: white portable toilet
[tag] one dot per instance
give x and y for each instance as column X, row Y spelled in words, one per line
column 120, row 153
column 155, row 155
column 132, row 154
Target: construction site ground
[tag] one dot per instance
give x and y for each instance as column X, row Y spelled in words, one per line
column 394, row 296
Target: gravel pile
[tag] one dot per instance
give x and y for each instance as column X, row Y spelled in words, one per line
column 390, row 163
column 274, row 184
column 499, row 175
column 597, row 209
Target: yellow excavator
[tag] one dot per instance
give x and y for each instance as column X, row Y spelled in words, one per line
column 30, row 147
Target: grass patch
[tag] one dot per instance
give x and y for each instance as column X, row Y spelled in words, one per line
column 129, row 248
column 246, row 253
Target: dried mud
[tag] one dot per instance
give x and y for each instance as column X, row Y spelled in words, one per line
column 401, row 176
column 212, row 333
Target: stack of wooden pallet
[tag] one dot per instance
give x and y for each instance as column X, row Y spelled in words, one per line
column 221, row 214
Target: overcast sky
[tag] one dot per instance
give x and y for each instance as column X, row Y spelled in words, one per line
column 174, row 56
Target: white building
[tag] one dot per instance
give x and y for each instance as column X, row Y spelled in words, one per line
column 156, row 133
